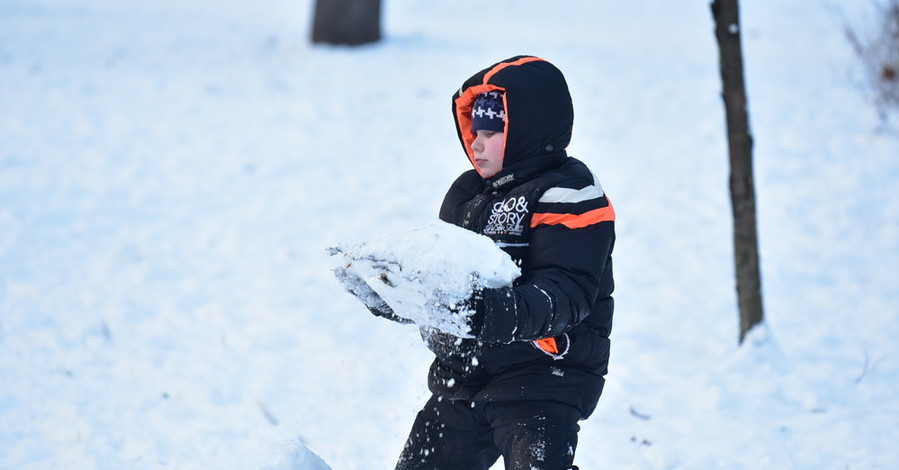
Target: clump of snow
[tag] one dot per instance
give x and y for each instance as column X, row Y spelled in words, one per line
column 291, row 454
column 426, row 272
column 760, row 350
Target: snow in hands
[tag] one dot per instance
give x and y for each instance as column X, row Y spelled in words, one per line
column 424, row 273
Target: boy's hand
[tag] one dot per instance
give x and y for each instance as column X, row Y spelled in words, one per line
column 375, row 304
column 462, row 319
column 499, row 324
column 475, row 307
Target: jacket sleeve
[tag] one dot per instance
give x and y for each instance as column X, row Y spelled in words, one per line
column 569, row 268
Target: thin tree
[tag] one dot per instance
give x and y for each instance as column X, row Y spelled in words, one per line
column 347, row 22
column 742, row 188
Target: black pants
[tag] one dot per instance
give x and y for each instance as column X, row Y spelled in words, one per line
column 461, row 435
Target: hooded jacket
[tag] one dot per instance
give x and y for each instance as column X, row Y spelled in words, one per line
column 545, row 337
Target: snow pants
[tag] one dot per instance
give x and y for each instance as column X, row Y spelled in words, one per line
column 463, row 435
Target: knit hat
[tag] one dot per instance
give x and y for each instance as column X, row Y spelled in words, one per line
column 488, row 112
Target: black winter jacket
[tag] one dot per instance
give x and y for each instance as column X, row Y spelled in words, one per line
column 546, row 337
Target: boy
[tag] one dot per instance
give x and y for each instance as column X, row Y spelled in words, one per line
column 540, row 351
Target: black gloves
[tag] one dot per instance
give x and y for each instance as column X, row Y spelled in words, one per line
column 475, row 308
column 495, row 317
column 375, row 304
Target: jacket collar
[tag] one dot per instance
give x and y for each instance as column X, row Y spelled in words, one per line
column 525, row 170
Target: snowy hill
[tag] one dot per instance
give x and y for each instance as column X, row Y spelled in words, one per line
column 172, row 172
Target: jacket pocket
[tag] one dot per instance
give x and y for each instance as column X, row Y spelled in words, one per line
column 555, row 347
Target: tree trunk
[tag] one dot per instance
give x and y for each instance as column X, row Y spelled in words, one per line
column 347, row 22
column 746, row 257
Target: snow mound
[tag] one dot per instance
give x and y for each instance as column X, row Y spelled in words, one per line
column 425, row 273
column 282, row 455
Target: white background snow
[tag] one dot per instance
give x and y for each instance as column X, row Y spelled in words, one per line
column 171, row 173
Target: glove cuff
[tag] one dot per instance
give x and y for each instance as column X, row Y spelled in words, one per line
column 497, row 316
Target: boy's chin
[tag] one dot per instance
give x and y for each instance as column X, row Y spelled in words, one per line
column 487, row 172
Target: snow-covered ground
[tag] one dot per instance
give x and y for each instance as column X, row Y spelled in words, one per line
column 171, row 173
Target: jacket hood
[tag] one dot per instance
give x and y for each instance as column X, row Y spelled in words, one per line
column 539, row 113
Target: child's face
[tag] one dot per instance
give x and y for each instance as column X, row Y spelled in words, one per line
column 489, row 148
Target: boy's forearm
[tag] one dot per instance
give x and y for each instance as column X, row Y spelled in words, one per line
column 529, row 312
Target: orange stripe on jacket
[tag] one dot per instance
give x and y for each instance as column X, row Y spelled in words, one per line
column 603, row 214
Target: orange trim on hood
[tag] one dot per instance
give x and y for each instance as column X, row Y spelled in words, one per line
column 495, row 70
column 464, row 103
column 466, row 99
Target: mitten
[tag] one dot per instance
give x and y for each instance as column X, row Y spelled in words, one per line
column 494, row 318
column 476, row 310
column 375, row 304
